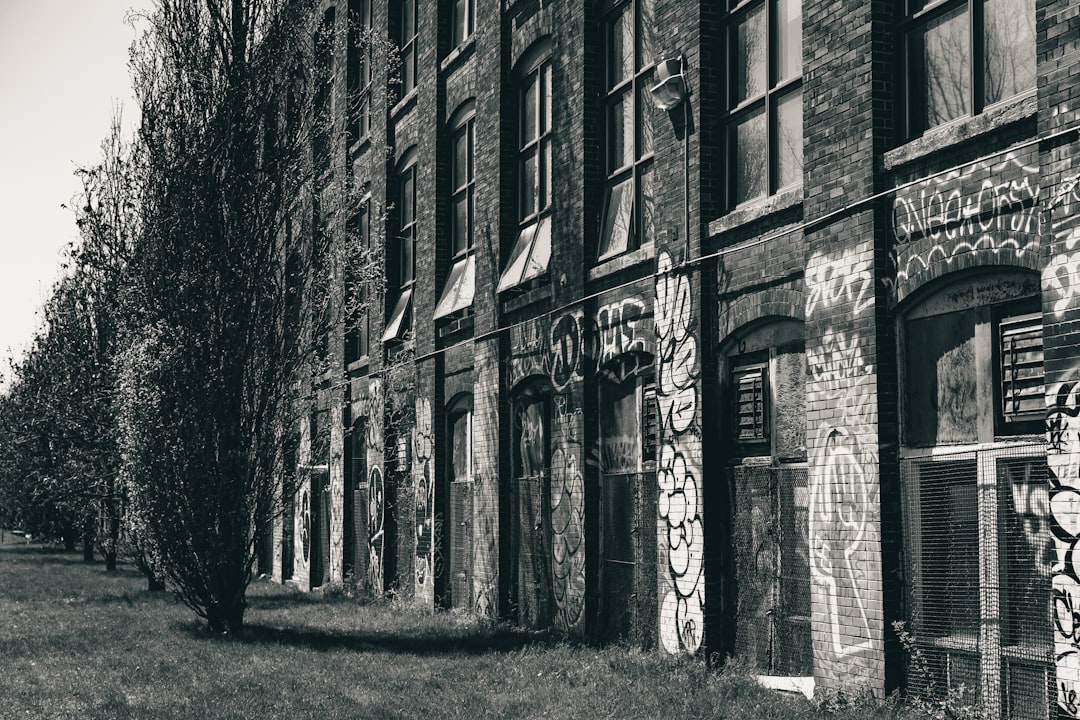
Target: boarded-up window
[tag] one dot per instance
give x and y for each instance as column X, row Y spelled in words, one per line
column 1022, row 368
column 751, row 399
column 940, row 382
column 530, row 431
column 620, row 429
column 650, row 422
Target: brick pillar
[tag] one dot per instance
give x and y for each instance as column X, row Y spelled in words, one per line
column 1058, row 57
column 485, row 539
column 375, row 502
column 842, row 443
column 681, row 546
column 423, row 477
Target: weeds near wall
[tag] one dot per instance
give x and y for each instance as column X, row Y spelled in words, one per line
column 929, row 701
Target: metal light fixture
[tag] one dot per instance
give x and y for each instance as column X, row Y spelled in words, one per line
column 671, row 90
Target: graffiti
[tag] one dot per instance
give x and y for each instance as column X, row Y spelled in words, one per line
column 620, row 454
column 423, row 450
column 910, row 263
column 437, row 562
column 948, row 207
column 847, row 278
column 567, row 347
column 836, row 363
column 678, row 473
column 620, row 329
column 373, row 406
column 375, row 523
column 1063, row 459
column 528, row 351
column 567, row 500
column 305, row 524
column 841, row 532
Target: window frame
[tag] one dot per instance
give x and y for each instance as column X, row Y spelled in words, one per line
column 529, row 257
column 358, row 329
column 407, row 41
column 466, row 10
column 359, row 69
column 634, row 89
column 459, row 288
column 916, row 19
column 400, row 320
column 766, row 102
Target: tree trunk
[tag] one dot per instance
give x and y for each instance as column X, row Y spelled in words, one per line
column 69, row 539
column 226, row 620
column 114, row 538
column 154, row 583
column 87, row 548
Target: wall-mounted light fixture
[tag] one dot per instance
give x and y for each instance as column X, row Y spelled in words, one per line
column 670, row 91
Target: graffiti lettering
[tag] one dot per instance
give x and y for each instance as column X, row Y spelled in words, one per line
column 620, row 329
column 566, row 348
column 1063, row 460
column 845, row 279
column 678, row 474
column 948, row 207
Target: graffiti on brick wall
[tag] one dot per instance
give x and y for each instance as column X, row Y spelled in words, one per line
column 373, row 406
column 621, row 328
column 305, row 524
column 424, row 489
column 949, row 206
column 842, row 491
column 678, row 469
column 528, row 351
column 567, row 514
column 569, row 349
column 1062, row 274
column 991, row 207
column 839, row 503
column 1063, row 459
column 845, row 279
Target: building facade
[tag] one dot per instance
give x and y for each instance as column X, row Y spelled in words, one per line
column 743, row 326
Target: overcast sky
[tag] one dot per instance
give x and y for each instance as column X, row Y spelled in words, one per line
column 63, row 68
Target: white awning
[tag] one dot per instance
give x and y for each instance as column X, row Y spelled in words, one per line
column 460, row 287
column 530, row 256
column 398, row 323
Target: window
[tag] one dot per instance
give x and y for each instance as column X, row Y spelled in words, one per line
column 764, row 96
column 627, row 219
column 532, row 251
column 750, row 386
column 358, row 330
column 403, row 254
column 457, row 534
column 458, row 292
column 461, row 21
column 965, row 55
column 406, row 38
column 359, row 68
column 972, row 374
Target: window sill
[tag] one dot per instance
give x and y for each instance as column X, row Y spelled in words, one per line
column 458, row 54
column 621, row 262
column 757, row 210
column 452, row 325
column 960, row 130
column 403, row 105
column 356, row 365
column 359, row 146
column 527, row 298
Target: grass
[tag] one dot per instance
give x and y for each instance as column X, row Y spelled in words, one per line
column 76, row 642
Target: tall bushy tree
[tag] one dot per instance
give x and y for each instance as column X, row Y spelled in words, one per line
column 213, row 349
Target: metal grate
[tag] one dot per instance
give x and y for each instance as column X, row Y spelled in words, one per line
column 460, row 540
column 750, row 404
column 978, row 550
column 772, row 568
column 1022, row 395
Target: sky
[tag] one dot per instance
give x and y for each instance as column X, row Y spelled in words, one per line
column 63, row 71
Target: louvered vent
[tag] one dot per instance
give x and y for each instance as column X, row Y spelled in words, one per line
column 1022, row 396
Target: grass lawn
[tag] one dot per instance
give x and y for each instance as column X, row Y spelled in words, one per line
column 78, row 643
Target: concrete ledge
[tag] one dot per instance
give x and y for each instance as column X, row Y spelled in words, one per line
column 804, row 685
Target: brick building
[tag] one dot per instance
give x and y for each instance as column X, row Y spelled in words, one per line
column 741, row 327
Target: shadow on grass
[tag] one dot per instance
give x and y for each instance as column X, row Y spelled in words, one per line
column 423, row 644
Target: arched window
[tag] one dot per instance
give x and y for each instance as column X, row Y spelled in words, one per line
column 531, row 252
column 974, row 476
column 401, row 254
column 457, row 294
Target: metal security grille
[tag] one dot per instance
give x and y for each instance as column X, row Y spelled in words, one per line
column 979, row 554
column 1022, row 367
column 460, row 540
column 772, row 568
